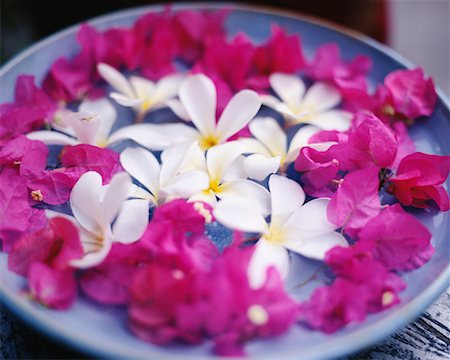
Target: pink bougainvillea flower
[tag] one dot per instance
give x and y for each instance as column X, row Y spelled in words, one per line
column 81, row 158
column 109, row 282
column 73, row 79
column 271, row 57
column 228, row 64
column 18, row 217
column 397, row 239
column 197, row 29
column 302, row 228
column 44, row 257
column 31, row 109
column 358, row 265
column 164, row 303
column 371, row 142
column 419, row 178
column 328, row 66
column 177, row 230
column 313, row 106
column 115, row 46
column 332, row 307
column 356, row 200
column 259, row 313
column 412, row 95
column 405, row 144
column 70, row 80
column 156, row 44
column 322, row 171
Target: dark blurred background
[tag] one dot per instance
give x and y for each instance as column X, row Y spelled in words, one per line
column 417, row 29
column 25, row 21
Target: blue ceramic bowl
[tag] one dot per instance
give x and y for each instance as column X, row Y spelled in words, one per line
column 101, row 331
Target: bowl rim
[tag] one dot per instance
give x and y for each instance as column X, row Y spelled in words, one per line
column 339, row 346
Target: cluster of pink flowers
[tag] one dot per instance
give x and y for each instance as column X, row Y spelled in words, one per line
column 172, row 277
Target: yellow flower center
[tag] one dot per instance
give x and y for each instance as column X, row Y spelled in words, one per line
column 214, row 185
column 275, row 235
column 208, row 141
column 146, row 105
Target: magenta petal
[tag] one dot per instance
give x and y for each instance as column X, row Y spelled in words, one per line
column 271, row 57
column 372, row 142
column 356, row 201
column 81, row 158
column 397, row 239
column 108, row 284
column 330, row 308
column 53, row 288
column 412, row 95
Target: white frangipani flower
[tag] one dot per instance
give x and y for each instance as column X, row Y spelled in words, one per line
column 302, row 228
column 226, row 178
column 173, row 178
column 103, row 215
column 139, row 93
column 314, row 106
column 269, row 148
column 92, row 125
column 198, row 97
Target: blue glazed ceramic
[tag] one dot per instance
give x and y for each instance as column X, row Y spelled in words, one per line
column 101, row 331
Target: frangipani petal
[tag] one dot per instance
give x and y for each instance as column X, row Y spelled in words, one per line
column 168, row 87
column 289, row 88
column 107, row 113
column 332, row 120
column 207, row 196
column 94, row 254
column 116, row 193
column 178, row 109
column 315, row 247
column 219, row 158
column 258, row 166
column 198, row 96
column 125, row 100
column 85, row 201
column 266, row 255
column 311, row 218
column 248, row 190
column 143, row 166
column 240, row 215
column 131, row 222
column 277, row 105
column 302, row 136
column 239, row 112
column 253, row 146
column 186, row 185
column 177, row 159
column 85, row 125
column 52, row 137
column 286, row 197
column 155, row 136
column 143, row 88
column 115, row 79
column 321, row 96
column 268, row 131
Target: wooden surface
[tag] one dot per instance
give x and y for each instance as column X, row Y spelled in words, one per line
column 428, row 338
